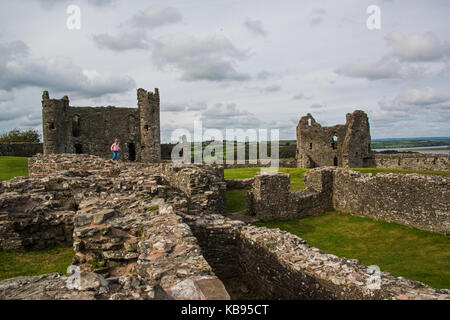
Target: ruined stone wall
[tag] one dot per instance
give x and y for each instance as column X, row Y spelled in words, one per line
column 203, row 185
column 149, row 112
column 92, row 130
column 270, row 197
column 136, row 237
column 341, row 145
column 18, row 149
column 420, row 201
column 280, row 265
column 415, row 161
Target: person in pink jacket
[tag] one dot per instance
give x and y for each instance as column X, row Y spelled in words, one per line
column 115, row 150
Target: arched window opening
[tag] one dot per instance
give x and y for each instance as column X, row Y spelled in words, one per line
column 51, row 126
column 309, row 121
column 76, row 126
column 310, row 146
column 335, row 160
column 146, row 127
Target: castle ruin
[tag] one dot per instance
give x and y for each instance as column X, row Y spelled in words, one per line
column 340, row 145
column 92, row 130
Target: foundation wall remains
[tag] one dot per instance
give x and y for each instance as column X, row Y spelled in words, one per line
column 270, row 197
column 420, row 201
column 279, row 265
column 20, row 149
column 134, row 232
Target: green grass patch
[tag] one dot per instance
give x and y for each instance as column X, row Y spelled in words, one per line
column 32, row 263
column 236, row 201
column 400, row 250
column 296, row 174
column 11, row 167
column 374, row 171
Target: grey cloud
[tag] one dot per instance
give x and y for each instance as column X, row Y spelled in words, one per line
column 19, row 70
column 6, row 96
column 8, row 113
column 155, row 17
column 317, row 18
column 256, row 27
column 263, row 75
column 102, row 3
column 418, row 47
column 383, row 69
column 211, row 59
column 50, row 3
column 173, row 108
column 416, row 101
column 222, row 116
column 271, row 89
column 300, row 96
column 197, row 107
column 122, row 41
column 317, row 106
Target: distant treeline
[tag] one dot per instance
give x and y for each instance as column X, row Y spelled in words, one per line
column 413, row 143
column 287, row 148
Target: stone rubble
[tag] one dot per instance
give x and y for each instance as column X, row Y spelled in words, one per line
column 158, row 232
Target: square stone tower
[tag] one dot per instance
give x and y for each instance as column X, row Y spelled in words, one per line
column 341, row 145
column 92, row 130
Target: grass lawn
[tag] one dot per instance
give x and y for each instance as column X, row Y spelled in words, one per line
column 400, row 250
column 11, row 167
column 297, row 183
column 31, row 263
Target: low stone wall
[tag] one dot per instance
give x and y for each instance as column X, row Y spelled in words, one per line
column 280, row 265
column 420, row 201
column 414, row 161
column 20, row 149
column 270, row 197
column 204, row 186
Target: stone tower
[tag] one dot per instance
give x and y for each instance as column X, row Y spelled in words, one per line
column 148, row 105
column 92, row 130
column 54, row 123
column 344, row 145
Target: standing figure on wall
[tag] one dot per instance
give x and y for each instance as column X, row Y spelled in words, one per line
column 115, row 150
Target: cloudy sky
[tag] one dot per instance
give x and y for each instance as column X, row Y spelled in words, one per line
column 233, row 63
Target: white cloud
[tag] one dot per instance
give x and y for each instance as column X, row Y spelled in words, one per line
column 121, row 41
column 418, row 47
column 19, row 70
column 155, row 17
column 370, row 70
column 212, row 58
column 227, row 115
